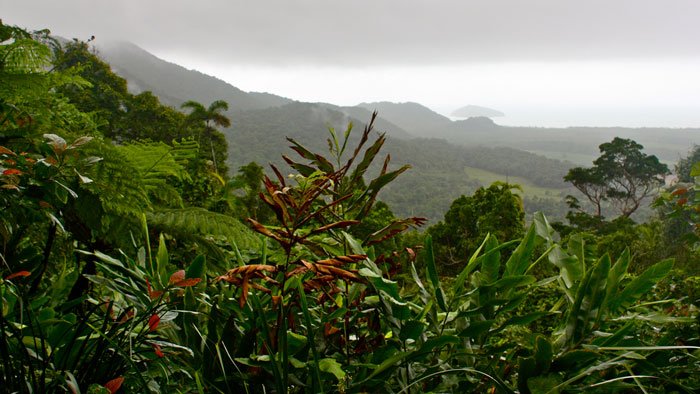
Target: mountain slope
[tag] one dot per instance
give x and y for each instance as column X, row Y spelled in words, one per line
column 412, row 117
column 175, row 84
column 440, row 170
column 470, row 111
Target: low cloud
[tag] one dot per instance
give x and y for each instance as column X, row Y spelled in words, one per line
column 369, row 33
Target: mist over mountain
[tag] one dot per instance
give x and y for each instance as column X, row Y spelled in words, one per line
column 175, row 84
column 415, row 118
column 471, row 111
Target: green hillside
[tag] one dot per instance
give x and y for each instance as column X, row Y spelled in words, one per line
column 451, row 158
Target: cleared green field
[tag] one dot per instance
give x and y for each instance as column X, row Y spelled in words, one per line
column 576, row 158
column 487, row 177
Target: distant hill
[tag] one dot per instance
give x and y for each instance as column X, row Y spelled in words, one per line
column 412, row 117
column 175, row 84
column 471, row 111
column 444, row 154
column 364, row 114
column 440, row 173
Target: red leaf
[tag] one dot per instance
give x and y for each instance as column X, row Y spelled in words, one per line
column 128, row 315
column 155, row 294
column 23, row 274
column 5, row 151
column 178, row 276
column 188, row 282
column 679, row 191
column 152, row 293
column 153, row 322
column 12, row 171
column 157, row 350
column 114, row 384
column 329, row 330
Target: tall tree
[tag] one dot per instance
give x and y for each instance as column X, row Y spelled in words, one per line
column 685, row 165
column 211, row 117
column 623, row 175
column 495, row 210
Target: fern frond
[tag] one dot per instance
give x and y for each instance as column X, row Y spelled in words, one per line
column 24, row 56
column 117, row 183
column 163, row 194
column 156, row 162
column 153, row 160
column 187, row 222
column 184, row 150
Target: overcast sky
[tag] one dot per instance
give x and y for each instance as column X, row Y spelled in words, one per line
column 542, row 62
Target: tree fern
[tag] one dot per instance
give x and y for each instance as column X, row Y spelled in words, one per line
column 188, row 222
column 155, row 162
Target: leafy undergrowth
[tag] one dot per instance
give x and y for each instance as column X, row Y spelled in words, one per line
column 112, row 283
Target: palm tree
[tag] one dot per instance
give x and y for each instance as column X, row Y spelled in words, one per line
column 212, row 116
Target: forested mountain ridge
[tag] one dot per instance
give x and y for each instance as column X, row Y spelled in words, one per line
column 175, row 84
column 578, row 144
column 441, row 171
column 415, row 118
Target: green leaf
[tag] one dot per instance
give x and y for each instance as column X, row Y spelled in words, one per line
column 575, row 359
column 543, row 228
column 295, row 342
column 97, row 389
column 333, row 367
column 388, row 363
column 491, row 263
column 197, row 268
column 411, row 329
column 617, row 272
column 475, row 260
column 471, row 264
column 543, row 353
column 520, row 259
column 641, row 285
column 511, row 282
column 589, row 297
column 162, row 260
column 523, row 320
column 544, row 384
column 438, row 342
column 476, row 328
column 569, row 266
column 695, row 170
column 432, row 273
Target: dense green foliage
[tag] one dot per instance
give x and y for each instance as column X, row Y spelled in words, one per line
column 125, row 265
column 495, row 210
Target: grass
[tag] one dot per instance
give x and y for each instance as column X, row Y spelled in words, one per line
column 529, row 189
